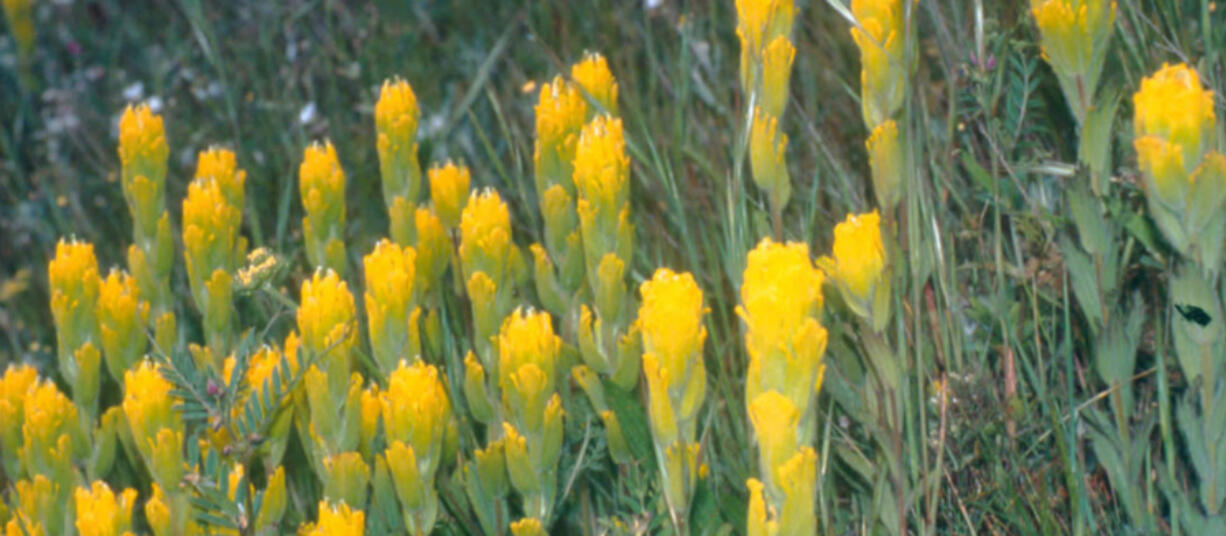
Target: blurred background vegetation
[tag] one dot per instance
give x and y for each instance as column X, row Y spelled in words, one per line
column 998, row 148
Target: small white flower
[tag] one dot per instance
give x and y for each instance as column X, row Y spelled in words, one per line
column 307, row 114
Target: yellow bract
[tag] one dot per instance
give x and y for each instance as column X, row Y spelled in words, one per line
column 142, row 141
column 73, row 278
column 326, row 312
column 670, row 320
column 485, row 236
column 396, row 115
column 15, row 386
column 121, row 320
column 560, row 113
column 449, row 188
column 776, row 72
column 416, row 411
column 593, row 75
column 147, row 403
column 337, row 521
column 321, row 183
column 879, row 36
column 101, row 512
column 527, row 353
column 859, row 258
column 391, row 307
column 221, row 166
column 1173, row 105
column 780, row 291
column 766, row 158
column 758, row 23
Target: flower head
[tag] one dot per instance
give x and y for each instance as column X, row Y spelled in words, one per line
column 416, row 411
column 560, row 114
column 485, row 236
column 391, row 303
column 321, row 183
column 101, row 512
column 121, row 320
column 338, row 520
column 883, row 74
column 859, row 260
column 1174, row 107
column 142, row 146
column 73, row 277
column 327, row 318
column 449, row 186
column 767, row 145
column 147, row 403
column 220, row 165
column 593, row 75
column 670, row 320
column 602, row 181
column 396, row 118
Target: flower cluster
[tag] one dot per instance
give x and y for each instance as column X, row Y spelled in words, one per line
column 321, row 182
column 767, row 52
column 212, row 245
column 396, row 118
column 881, row 34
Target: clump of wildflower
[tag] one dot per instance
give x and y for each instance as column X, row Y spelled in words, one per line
column 321, row 183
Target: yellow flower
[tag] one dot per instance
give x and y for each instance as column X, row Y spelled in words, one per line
column 50, row 432
column 121, row 321
column 602, row 180
column 774, row 419
column 221, row 166
column 485, row 236
column 391, row 306
column 336, row 521
column 780, row 291
column 885, row 157
column 15, row 386
column 211, row 238
column 527, row 359
column 560, row 114
column 396, row 118
column 433, row 250
column 321, row 183
column 449, row 185
column 593, row 75
column 759, row 22
column 767, row 160
column 416, row 411
column 39, row 504
column 1173, row 106
column 670, row 319
column 883, row 75
column 1074, row 36
column 101, row 512
column 149, row 407
column 142, row 147
column 528, row 526
column 776, row 72
column 73, row 277
column 326, row 318
column 859, row 261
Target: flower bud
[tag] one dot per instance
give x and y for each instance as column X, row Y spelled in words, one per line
column 449, row 187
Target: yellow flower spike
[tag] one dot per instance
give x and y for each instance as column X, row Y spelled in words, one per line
column 551, row 441
column 593, row 75
column 150, row 411
column 527, row 339
column 767, row 145
column 327, row 322
column 602, row 180
column 776, row 73
column 780, row 292
column 883, row 74
column 73, row 278
column 774, row 419
column 121, row 320
column 1173, row 105
column 759, row 22
column 885, row 157
column 449, row 186
column 560, row 113
column 416, row 411
column 321, row 183
column 396, row 119
column 528, row 526
column 143, row 152
column 211, row 238
column 859, row 261
column 1074, row 36
column 50, row 429
column 338, row 520
column 221, row 166
column 101, row 512
column 485, row 236
column 391, row 309
column 346, row 477
column 433, row 250
column 15, row 385
column 474, row 389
